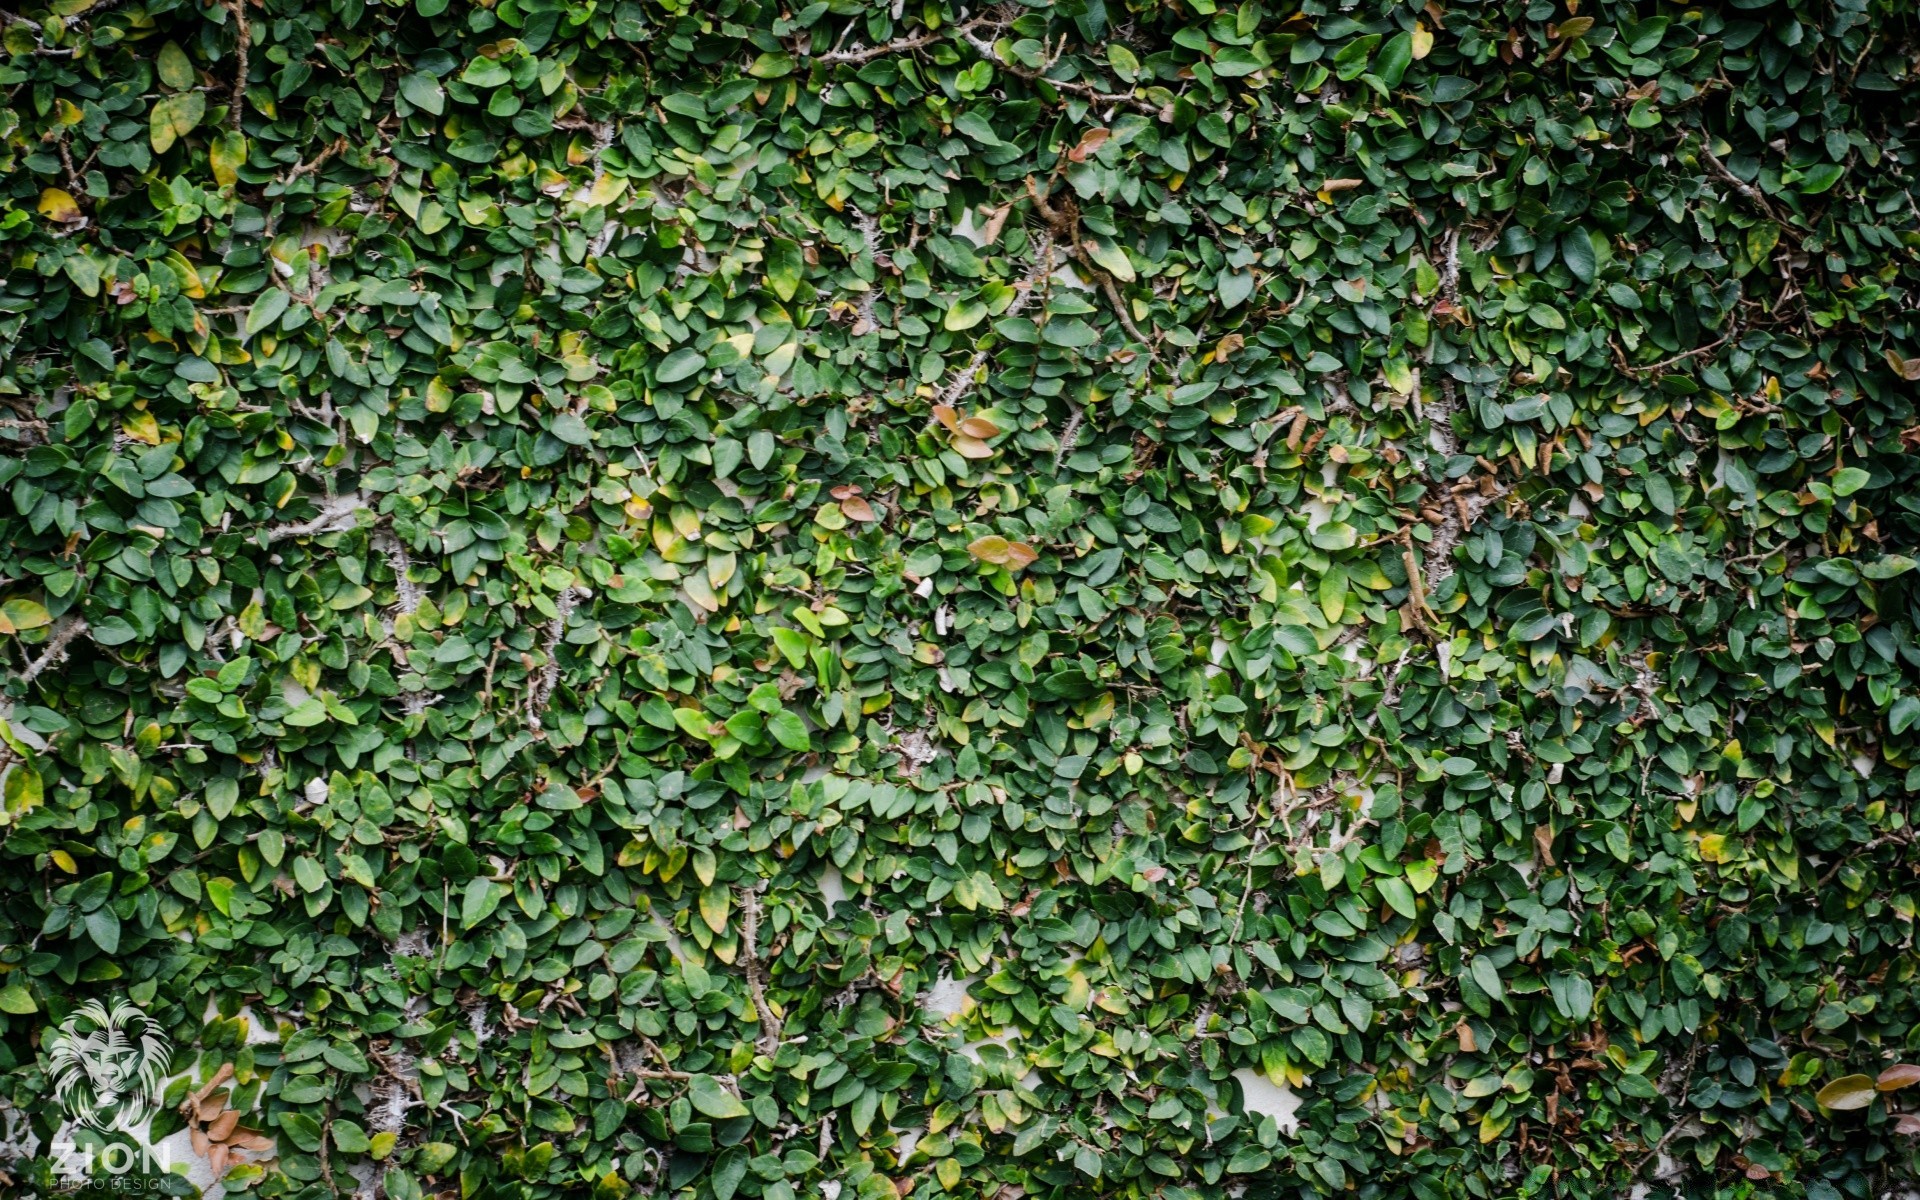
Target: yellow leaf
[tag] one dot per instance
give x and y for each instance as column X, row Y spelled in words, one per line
column 1847, row 1093
column 1422, row 41
column 19, row 614
column 174, row 67
column 59, row 205
column 700, row 594
column 714, row 902
column 228, row 154
column 141, row 427
column 191, row 285
column 605, row 190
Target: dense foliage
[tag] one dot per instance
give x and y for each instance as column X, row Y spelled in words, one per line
column 1368, row 545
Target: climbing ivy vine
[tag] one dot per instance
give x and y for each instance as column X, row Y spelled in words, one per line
column 874, row 600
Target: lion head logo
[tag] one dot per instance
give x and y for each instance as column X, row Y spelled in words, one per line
column 107, row 1064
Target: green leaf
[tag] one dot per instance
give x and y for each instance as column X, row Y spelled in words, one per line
column 977, row 127
column 302, row 1130
column 1576, row 250
column 349, row 1138
column 789, row 730
column 266, row 310
column 1397, row 894
column 728, row 1172
column 479, row 901
column 1487, row 976
column 1394, row 59
column 1849, row 480
column 786, row 267
column 311, row 876
column 964, row 315
column 1111, row 258
column 103, row 926
column 712, row 1099
column 1904, row 714
column 424, row 92
column 683, row 363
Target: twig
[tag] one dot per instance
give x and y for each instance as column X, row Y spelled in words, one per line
column 903, row 45
column 242, row 44
column 56, row 649
column 407, row 593
column 338, row 514
column 486, row 687
column 1120, row 307
column 1739, row 185
column 870, row 237
column 1068, row 437
column 337, row 146
column 542, row 691
column 770, row 1028
column 963, row 379
column 1682, row 357
column 1084, row 90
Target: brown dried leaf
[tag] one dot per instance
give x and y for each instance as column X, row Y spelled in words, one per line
column 857, row 508
column 1090, row 143
column 1468, row 1043
column 996, row 221
column 223, row 1126
column 1020, row 555
column 971, row 447
column 1543, row 843
column 219, row 1077
column 1898, row 1076
column 990, row 549
column 945, row 414
column 978, row 427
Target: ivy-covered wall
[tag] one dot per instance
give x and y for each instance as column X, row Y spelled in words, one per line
column 737, row 599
